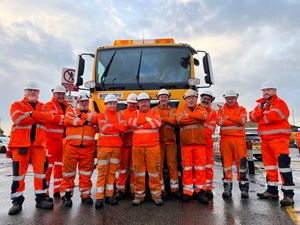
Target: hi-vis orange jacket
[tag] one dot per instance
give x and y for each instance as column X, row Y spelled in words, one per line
column 167, row 130
column 145, row 127
column 55, row 129
column 127, row 135
column 111, row 125
column 210, row 123
column 273, row 119
column 191, row 123
column 23, row 121
column 232, row 121
column 81, row 127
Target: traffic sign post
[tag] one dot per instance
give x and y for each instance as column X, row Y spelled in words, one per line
column 68, row 79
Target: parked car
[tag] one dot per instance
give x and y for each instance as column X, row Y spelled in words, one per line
column 3, row 144
column 253, row 142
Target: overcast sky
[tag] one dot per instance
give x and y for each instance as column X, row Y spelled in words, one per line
column 249, row 41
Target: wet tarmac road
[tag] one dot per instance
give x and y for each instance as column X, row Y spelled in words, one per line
column 173, row 212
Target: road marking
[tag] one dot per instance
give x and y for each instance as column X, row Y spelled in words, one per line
column 293, row 213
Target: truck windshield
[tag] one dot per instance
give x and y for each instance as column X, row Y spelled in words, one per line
column 143, row 68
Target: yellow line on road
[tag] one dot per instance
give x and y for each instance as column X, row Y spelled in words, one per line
column 293, row 214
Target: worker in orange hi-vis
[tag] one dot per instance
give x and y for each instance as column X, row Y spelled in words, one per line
column 27, row 143
column 126, row 155
column 272, row 114
column 210, row 125
column 111, row 126
column 168, row 145
column 191, row 119
column 55, row 135
column 145, row 123
column 79, row 148
column 232, row 119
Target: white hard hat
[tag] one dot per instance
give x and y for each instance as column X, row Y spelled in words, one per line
column 208, row 93
column 163, row 92
column 267, row 85
column 143, row 96
column 59, row 89
column 190, row 93
column 31, row 85
column 132, row 98
column 231, row 93
column 110, row 98
column 83, row 96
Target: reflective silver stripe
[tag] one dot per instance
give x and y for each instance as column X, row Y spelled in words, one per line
column 145, row 131
column 73, row 137
column 266, row 120
column 285, row 170
column 23, row 127
column 88, row 137
column 155, row 192
column 209, row 166
column 100, row 189
column 50, row 165
column 41, row 176
column 275, row 131
column 56, row 186
column 109, row 187
column 173, row 186
column 58, row 163
column 199, row 186
column 22, row 117
column 61, row 121
column 55, row 131
column 87, row 173
column 188, row 187
column 41, row 126
column 108, row 135
column 140, row 192
column 57, row 180
column 75, row 121
column 17, row 194
column 199, row 167
column 285, row 187
column 227, row 181
column 188, row 168
column 271, row 167
column 120, row 187
column 273, row 183
column 40, row 191
column 85, row 192
column 244, row 182
column 188, row 127
column 227, row 168
column 18, row 178
column 173, row 181
column 279, row 112
column 102, row 121
column 122, row 171
column 70, row 174
column 106, row 126
column 15, row 112
column 102, row 162
column 243, row 170
column 153, row 174
column 232, row 128
column 152, row 123
column 142, row 174
column 114, row 160
column 89, row 116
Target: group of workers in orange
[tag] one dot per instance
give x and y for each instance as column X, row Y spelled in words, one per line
column 135, row 142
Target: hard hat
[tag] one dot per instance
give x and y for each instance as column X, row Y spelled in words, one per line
column 208, row 93
column 110, row 98
column 190, row 93
column 143, row 96
column 267, row 85
column 132, row 98
column 31, row 85
column 231, row 93
column 163, row 92
column 59, row 89
column 83, row 96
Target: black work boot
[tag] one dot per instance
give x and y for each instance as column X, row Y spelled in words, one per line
column 56, row 195
column 244, row 187
column 227, row 190
column 209, row 194
column 99, row 204
column 287, row 201
column 44, row 204
column 111, row 200
column 17, row 206
column 87, row 201
column 268, row 195
column 66, row 200
column 186, row 198
column 202, row 197
column 120, row 195
column 176, row 194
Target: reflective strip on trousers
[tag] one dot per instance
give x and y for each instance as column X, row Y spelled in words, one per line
column 56, row 186
column 122, row 171
column 114, row 160
column 243, row 182
column 85, row 193
column 55, row 131
column 140, row 174
column 18, row 178
column 288, row 187
column 41, row 176
column 100, row 189
column 102, row 162
column 271, row 167
column 275, row 131
column 58, row 163
column 232, row 128
column 145, row 131
column 153, row 174
column 199, row 167
column 40, row 191
column 109, row 187
column 209, row 165
column 188, row 127
column 227, row 181
column 17, row 194
column 57, row 180
column 155, row 192
column 226, row 169
column 285, row 170
column 70, row 174
column 121, row 187
column 273, row 184
column 50, row 165
column 199, row 186
column 243, row 170
column 87, row 173
column 188, row 168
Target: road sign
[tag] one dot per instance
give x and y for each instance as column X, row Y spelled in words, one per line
column 68, row 79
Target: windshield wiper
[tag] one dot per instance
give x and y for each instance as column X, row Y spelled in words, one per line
column 138, row 72
column 104, row 75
